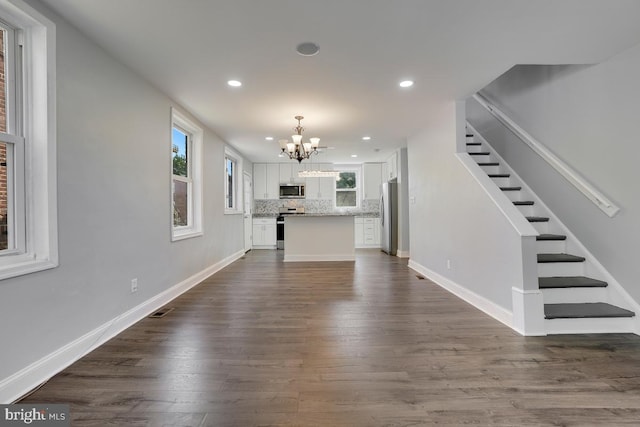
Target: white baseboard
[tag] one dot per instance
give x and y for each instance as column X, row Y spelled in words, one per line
column 489, row 307
column 20, row 383
column 402, row 254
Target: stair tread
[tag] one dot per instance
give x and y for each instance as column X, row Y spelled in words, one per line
column 537, row 219
column 499, row 175
column 480, row 153
column 469, row 135
column 474, row 143
column 489, row 164
column 523, row 203
column 551, row 237
column 569, row 282
column 511, row 188
column 584, row 310
column 546, row 258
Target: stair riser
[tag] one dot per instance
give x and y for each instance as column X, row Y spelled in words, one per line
column 513, row 195
column 541, row 227
column 593, row 325
column 560, row 269
column 572, row 295
column 490, row 169
column 551, row 246
column 526, row 210
column 475, row 148
column 502, row 182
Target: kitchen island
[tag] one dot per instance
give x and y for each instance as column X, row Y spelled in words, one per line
column 319, row 237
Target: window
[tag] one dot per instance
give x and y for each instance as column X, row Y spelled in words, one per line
column 347, row 189
column 28, row 223
column 232, row 168
column 186, row 177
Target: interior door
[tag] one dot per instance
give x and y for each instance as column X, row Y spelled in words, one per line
column 248, row 218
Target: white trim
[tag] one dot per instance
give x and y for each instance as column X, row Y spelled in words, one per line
column 597, row 325
column 502, row 202
column 561, row 167
column 402, row 254
column 305, row 258
column 196, row 134
column 489, row 307
column 238, row 183
column 39, row 126
column 18, row 384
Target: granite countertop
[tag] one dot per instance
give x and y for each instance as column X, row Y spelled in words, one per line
column 362, row 214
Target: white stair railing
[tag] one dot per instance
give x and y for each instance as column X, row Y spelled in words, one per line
column 563, row 169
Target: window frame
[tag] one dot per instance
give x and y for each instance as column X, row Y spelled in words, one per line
column 356, row 171
column 195, row 136
column 31, row 130
column 237, row 185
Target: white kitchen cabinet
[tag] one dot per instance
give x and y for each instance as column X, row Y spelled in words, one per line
column 320, row 188
column 264, row 233
column 372, row 178
column 289, row 173
column 392, row 166
column 266, row 181
column 367, row 232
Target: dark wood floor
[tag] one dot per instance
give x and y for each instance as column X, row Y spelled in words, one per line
column 343, row 344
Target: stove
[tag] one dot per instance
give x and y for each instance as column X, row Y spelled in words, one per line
column 280, row 223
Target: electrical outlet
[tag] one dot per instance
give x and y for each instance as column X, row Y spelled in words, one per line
column 134, row 285
column 448, row 264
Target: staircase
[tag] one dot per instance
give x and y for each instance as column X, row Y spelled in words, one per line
column 577, row 298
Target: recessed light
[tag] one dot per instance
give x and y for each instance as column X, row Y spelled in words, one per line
column 366, row 138
column 234, row 83
column 406, row 83
column 269, row 138
column 308, row 49
column 354, row 155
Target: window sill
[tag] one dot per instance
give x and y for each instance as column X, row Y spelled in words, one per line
column 24, row 264
column 233, row 212
column 185, row 234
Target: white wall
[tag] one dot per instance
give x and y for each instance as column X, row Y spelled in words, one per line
column 454, row 219
column 114, row 208
column 588, row 116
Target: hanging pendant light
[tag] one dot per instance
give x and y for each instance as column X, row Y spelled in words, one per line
column 298, row 150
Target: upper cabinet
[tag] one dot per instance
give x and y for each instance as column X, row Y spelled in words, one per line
column 266, row 181
column 372, row 178
column 392, row 167
column 289, row 173
column 320, row 188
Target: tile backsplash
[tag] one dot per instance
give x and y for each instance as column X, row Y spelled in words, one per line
column 271, row 207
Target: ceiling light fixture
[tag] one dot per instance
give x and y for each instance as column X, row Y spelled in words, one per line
column 308, row 49
column 298, row 150
column 406, row 83
column 318, row 174
column 234, row 83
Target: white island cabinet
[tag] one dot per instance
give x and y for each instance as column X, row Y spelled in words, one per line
column 319, row 237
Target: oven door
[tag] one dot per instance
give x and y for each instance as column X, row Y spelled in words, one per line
column 280, row 232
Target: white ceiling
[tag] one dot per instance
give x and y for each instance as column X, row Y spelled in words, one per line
column 451, row 48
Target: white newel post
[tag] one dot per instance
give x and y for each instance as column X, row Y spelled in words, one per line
column 527, row 302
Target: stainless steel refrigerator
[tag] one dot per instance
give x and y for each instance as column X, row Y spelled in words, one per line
column 389, row 217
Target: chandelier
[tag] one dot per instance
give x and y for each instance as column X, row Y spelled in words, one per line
column 298, row 150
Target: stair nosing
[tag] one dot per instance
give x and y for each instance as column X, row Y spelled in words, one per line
column 567, row 258
column 570, row 282
column 621, row 312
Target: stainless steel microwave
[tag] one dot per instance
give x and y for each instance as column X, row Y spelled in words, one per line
column 292, row 191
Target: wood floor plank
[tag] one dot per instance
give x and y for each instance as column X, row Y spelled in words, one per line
column 343, row 344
